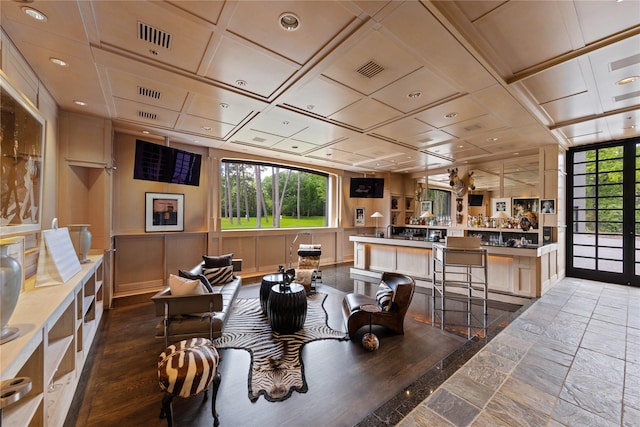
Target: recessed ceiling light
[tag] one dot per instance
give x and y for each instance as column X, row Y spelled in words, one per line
column 285, row 122
column 451, row 115
column 241, row 83
column 295, row 147
column 494, row 139
column 154, row 52
column 207, row 128
column 310, row 107
column 289, row 21
column 224, row 105
column 414, row 94
column 627, row 80
column 35, row 14
column 80, row 103
column 146, row 132
column 59, row 62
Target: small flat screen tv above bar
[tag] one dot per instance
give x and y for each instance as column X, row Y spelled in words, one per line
column 367, row 188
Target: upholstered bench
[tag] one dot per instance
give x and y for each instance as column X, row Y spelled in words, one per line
column 186, row 369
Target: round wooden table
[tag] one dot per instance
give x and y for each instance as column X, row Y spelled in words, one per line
column 287, row 308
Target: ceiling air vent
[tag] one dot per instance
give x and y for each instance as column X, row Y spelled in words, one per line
column 370, row 69
column 625, row 62
column 150, row 93
column 258, row 139
column 626, row 96
column 149, row 116
column 154, row 35
column 473, row 128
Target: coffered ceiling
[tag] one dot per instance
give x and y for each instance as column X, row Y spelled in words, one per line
column 364, row 86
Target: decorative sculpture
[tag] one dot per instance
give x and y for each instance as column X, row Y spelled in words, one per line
column 456, row 183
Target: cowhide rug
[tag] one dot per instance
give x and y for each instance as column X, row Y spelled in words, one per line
column 276, row 366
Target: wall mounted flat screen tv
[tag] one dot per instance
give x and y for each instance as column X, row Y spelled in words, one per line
column 160, row 163
column 368, row 188
column 476, row 199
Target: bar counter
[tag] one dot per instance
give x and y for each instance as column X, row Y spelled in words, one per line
column 515, row 273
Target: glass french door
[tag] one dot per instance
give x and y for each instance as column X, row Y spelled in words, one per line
column 603, row 215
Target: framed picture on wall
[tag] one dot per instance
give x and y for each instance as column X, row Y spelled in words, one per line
column 521, row 206
column 500, row 205
column 547, row 206
column 22, row 148
column 359, row 217
column 164, row 212
column 426, row 206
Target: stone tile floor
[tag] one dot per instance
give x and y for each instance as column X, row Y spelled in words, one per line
column 571, row 359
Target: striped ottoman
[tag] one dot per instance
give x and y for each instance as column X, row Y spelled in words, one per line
column 186, row 369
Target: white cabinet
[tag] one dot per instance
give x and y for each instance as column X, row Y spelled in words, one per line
column 57, row 325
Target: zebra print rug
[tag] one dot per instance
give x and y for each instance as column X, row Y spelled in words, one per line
column 276, row 366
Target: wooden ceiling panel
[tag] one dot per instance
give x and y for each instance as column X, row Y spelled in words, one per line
column 258, row 22
column 321, row 133
column 558, row 82
column 571, row 107
column 147, row 114
column 462, row 56
column 428, row 87
column 452, row 112
column 526, row 33
column 170, row 37
column 294, row 147
column 61, row 19
column 429, row 138
column 207, row 10
column 222, row 109
column 136, row 88
column 256, row 138
column 365, row 114
column 412, row 24
column 371, row 64
column 199, row 125
column 601, row 18
column 612, row 64
column 503, row 106
column 484, row 125
column 261, row 72
column 321, row 96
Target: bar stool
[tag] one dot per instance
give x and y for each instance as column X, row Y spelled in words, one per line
column 188, row 368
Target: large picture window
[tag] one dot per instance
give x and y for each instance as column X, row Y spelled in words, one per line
column 262, row 195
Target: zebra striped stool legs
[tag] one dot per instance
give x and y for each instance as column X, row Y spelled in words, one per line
column 188, row 368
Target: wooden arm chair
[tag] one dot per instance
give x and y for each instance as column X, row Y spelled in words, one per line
column 402, row 287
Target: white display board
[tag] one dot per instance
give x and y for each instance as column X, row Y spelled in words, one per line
column 58, row 261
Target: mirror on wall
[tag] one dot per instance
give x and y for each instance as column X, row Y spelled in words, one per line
column 521, row 176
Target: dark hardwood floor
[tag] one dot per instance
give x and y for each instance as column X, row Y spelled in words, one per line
column 347, row 385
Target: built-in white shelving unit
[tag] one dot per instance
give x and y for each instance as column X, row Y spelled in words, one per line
column 57, row 325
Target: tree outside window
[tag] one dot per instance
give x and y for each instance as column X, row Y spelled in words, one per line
column 261, row 195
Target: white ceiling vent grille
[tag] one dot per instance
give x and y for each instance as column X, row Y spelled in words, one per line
column 149, row 116
column 473, row 128
column 258, row 139
column 625, row 62
column 154, row 35
column 150, row 93
column 370, row 69
column 626, row 96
